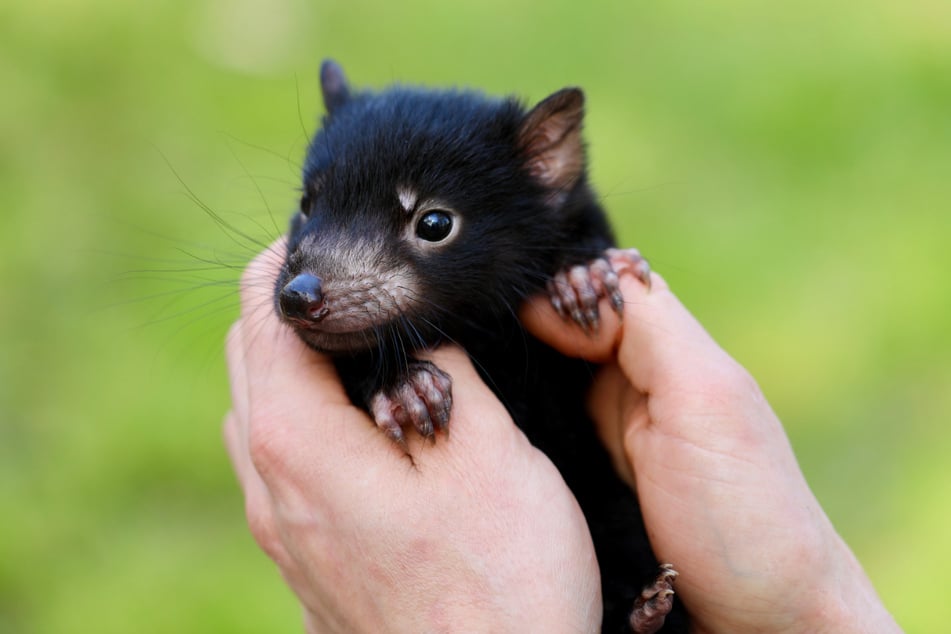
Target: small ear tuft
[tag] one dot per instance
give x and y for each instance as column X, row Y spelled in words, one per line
column 333, row 85
column 550, row 139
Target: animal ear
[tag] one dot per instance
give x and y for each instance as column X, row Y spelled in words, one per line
column 333, row 85
column 550, row 139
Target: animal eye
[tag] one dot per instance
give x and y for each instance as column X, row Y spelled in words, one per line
column 305, row 203
column 434, row 226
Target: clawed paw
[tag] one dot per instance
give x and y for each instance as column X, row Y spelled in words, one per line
column 421, row 398
column 574, row 292
column 655, row 602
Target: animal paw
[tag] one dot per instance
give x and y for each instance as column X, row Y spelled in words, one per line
column 421, row 398
column 655, row 602
column 574, row 292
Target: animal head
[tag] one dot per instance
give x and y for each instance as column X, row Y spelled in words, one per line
column 425, row 211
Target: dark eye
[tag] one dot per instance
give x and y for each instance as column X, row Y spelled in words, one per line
column 434, row 226
column 305, row 202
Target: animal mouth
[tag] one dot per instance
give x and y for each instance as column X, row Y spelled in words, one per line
column 332, row 321
column 310, row 322
column 334, row 342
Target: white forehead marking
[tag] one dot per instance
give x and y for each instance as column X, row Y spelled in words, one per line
column 407, row 197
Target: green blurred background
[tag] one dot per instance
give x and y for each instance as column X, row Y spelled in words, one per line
column 788, row 168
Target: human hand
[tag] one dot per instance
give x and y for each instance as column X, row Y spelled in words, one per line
column 722, row 495
column 477, row 528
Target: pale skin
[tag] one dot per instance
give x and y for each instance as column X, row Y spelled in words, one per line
column 478, row 533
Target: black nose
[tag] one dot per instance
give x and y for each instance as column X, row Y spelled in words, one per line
column 303, row 298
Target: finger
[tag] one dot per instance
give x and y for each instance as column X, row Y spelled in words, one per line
column 468, row 388
column 655, row 343
column 612, row 405
column 478, row 421
column 662, row 345
column 542, row 320
column 258, row 279
column 237, row 447
column 237, row 374
column 257, row 500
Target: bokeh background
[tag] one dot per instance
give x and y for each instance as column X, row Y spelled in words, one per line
column 787, row 167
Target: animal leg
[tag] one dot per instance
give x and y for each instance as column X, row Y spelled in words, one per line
column 421, row 397
column 575, row 291
column 655, row 602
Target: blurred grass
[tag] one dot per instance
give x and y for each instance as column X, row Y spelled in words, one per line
column 788, row 168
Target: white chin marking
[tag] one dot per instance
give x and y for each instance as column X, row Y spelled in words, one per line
column 407, row 198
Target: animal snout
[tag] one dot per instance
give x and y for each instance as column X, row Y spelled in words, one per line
column 302, row 299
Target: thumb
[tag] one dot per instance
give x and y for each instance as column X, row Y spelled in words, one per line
column 657, row 342
column 540, row 319
column 478, row 417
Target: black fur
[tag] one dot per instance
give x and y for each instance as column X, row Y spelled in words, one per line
column 468, row 151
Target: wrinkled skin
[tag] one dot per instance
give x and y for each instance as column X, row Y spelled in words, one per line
column 371, row 543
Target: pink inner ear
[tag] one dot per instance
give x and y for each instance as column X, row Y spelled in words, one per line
column 551, row 138
column 558, row 161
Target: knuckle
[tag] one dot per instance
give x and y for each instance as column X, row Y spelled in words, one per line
column 261, row 525
column 257, row 280
column 233, row 340
column 737, row 382
column 268, row 448
column 250, row 278
column 729, row 393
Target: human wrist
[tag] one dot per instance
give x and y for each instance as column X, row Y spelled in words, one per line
column 848, row 602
